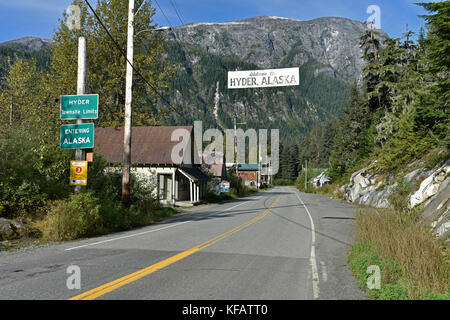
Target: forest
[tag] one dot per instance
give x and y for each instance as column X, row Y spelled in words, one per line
column 397, row 114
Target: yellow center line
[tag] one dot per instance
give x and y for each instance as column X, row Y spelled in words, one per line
column 110, row 286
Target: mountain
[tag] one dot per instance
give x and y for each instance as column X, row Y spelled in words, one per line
column 270, row 42
column 25, row 48
column 326, row 50
column 28, row 44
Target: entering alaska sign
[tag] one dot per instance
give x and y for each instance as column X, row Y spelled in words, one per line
column 77, row 136
column 263, row 78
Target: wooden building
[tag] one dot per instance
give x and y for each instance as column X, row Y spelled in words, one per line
column 160, row 158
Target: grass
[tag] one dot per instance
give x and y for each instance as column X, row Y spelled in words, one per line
column 414, row 265
column 83, row 215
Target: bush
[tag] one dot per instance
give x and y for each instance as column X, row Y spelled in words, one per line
column 113, row 216
column 31, row 172
column 300, row 184
column 77, row 217
column 399, row 198
column 282, row 182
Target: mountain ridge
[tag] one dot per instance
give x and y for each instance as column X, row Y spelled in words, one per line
column 326, row 50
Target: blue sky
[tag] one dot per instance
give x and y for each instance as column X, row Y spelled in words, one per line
column 20, row 18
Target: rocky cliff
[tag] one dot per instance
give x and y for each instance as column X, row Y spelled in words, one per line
column 270, row 42
column 326, row 50
column 427, row 190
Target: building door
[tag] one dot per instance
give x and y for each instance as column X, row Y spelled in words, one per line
column 161, row 187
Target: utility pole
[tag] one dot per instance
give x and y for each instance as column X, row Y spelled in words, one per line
column 235, row 148
column 259, row 168
column 306, row 175
column 128, row 97
column 80, row 154
column 235, row 155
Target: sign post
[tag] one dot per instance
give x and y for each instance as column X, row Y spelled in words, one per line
column 261, row 79
column 79, row 136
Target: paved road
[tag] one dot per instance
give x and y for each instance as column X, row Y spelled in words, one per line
column 277, row 244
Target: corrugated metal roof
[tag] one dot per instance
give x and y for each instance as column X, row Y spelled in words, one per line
column 149, row 145
column 248, row 166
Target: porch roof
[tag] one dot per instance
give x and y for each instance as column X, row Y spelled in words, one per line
column 193, row 173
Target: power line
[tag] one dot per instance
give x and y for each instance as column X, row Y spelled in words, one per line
column 170, row 25
column 177, row 11
column 162, row 11
column 123, row 53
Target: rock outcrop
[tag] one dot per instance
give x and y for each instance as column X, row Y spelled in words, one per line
column 366, row 187
column 370, row 186
column 11, row 229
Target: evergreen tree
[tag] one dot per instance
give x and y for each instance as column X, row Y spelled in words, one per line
column 432, row 112
column 106, row 64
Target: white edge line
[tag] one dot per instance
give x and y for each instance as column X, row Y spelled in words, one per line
column 312, row 259
column 123, row 237
column 141, row 233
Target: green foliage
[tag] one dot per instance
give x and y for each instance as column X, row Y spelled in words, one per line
column 288, row 162
column 300, row 181
column 79, row 216
column 403, row 109
column 10, row 54
column 26, row 183
column 392, row 292
column 399, row 198
column 85, row 214
column 361, row 256
column 107, row 64
column 282, row 182
column 438, row 296
column 352, row 136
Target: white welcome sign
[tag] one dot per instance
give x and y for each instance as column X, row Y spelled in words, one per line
column 263, row 78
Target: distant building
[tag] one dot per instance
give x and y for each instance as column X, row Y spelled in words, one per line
column 181, row 183
column 250, row 174
column 321, row 180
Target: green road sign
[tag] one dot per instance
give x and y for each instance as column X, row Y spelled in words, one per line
column 79, row 107
column 77, row 136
